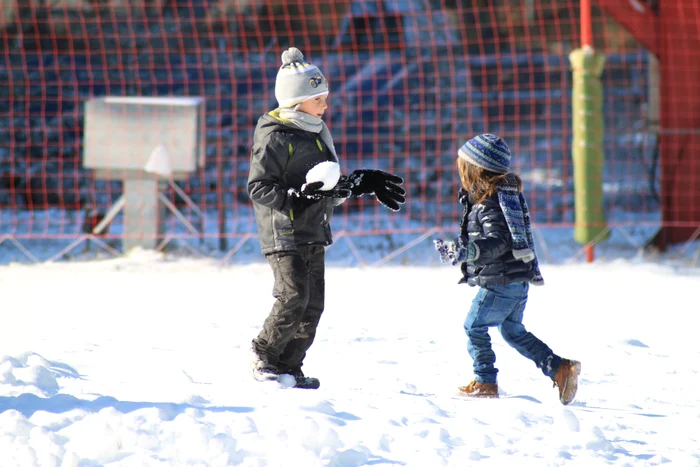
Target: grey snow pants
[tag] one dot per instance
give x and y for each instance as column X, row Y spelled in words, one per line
column 299, row 288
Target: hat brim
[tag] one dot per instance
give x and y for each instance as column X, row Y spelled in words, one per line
column 299, row 100
column 466, row 156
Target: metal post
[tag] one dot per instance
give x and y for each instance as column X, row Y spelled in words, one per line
column 587, row 148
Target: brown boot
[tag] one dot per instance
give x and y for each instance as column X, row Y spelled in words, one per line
column 566, row 380
column 476, row 389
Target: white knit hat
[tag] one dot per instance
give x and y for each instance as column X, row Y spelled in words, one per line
column 298, row 80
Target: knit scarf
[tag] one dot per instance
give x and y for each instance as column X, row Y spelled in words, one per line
column 311, row 124
column 517, row 216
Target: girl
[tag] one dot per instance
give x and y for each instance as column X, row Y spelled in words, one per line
column 497, row 253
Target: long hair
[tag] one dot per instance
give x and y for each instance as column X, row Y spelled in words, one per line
column 481, row 183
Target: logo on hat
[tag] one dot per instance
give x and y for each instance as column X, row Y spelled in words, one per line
column 316, row 81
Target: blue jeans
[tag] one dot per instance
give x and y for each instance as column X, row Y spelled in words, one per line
column 503, row 306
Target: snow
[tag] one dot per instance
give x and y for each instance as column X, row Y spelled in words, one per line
column 159, row 162
column 143, row 360
column 327, row 172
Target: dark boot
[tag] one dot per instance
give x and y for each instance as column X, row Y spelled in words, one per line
column 302, row 381
column 263, row 371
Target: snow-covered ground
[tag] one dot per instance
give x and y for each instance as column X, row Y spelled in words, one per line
column 143, row 361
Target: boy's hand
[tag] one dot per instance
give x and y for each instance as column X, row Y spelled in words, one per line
column 385, row 186
column 342, row 189
column 310, row 193
column 297, row 199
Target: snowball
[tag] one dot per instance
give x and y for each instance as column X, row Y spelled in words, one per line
column 327, row 172
column 287, row 381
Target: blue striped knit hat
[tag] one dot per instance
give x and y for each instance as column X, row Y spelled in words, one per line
column 488, row 152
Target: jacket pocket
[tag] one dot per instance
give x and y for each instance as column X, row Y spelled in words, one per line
column 282, row 224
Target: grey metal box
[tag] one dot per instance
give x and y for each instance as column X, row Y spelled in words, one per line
column 121, row 133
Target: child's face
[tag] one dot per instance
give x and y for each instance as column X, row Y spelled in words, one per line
column 315, row 106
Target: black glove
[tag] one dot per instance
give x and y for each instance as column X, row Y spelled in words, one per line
column 385, row 186
column 310, row 193
column 456, row 251
column 342, row 189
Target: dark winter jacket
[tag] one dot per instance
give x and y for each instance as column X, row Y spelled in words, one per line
column 281, row 156
column 484, row 224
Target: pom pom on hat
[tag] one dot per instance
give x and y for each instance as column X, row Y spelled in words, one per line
column 292, row 55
